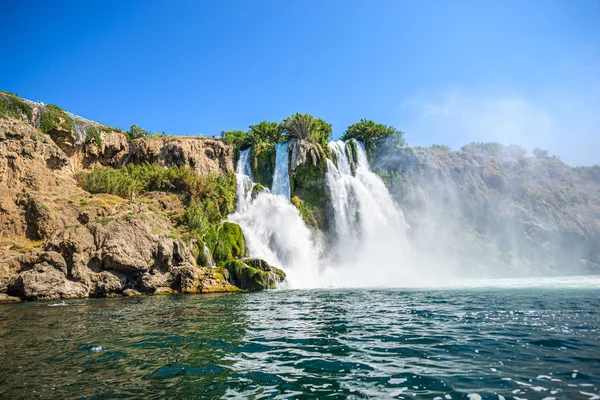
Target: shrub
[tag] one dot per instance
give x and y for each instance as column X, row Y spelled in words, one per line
column 93, row 134
column 305, row 126
column 53, row 117
column 540, row 153
column 371, row 134
column 266, row 131
column 14, row 106
column 135, row 132
column 237, row 138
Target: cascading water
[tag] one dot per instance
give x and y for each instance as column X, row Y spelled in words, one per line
column 273, row 228
column 369, row 246
column 281, row 177
column 244, row 180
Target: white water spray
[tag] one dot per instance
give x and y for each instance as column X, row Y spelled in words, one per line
column 273, row 228
column 281, row 177
column 369, row 247
column 245, row 181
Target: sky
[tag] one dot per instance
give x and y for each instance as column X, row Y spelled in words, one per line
column 444, row 72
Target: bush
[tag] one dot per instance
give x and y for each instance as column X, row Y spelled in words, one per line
column 53, row 118
column 135, row 132
column 238, row 139
column 14, row 106
column 305, row 126
column 540, row 153
column 370, row 133
column 266, row 131
column 93, row 134
column 136, row 179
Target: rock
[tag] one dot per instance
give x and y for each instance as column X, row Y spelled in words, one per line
column 127, row 248
column 256, row 190
column 254, row 274
column 201, row 280
column 163, row 290
column 4, row 298
column 203, row 155
column 44, row 282
column 131, row 293
column 106, row 284
column 226, row 243
column 150, row 282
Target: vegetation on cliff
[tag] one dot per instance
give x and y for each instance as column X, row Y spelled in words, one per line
column 374, row 136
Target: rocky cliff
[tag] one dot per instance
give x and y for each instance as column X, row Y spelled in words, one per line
column 504, row 212
column 59, row 241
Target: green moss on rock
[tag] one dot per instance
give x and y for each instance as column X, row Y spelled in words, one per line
column 256, row 190
column 263, row 163
column 309, row 186
column 226, row 243
column 254, row 274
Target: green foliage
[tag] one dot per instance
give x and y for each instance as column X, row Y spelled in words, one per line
column 93, row 134
column 226, row 243
column 266, row 131
column 305, row 126
column 495, row 149
column 246, row 277
column 201, row 214
column 307, row 182
column 135, row 132
column 540, row 153
column 263, row 132
column 136, row 179
column 263, row 163
column 53, row 118
column 439, row 148
column 14, row 106
column 237, row 138
column 307, row 214
column 373, row 135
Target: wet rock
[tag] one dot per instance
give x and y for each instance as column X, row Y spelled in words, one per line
column 44, row 282
column 254, row 274
column 4, row 298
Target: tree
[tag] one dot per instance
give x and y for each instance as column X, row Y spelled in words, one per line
column 266, row 131
column 540, row 153
column 238, row 138
column 373, row 134
column 305, row 126
column 135, row 132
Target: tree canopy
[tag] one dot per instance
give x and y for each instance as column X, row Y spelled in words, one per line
column 373, row 135
column 305, row 126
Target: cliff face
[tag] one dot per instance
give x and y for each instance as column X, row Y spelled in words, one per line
column 59, row 241
column 511, row 213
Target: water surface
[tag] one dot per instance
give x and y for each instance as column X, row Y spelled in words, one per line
column 463, row 343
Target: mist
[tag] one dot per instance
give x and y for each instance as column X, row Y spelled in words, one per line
column 437, row 218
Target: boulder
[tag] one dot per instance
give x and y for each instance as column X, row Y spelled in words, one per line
column 44, row 282
column 254, row 274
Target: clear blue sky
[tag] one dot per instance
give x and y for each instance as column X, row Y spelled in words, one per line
column 445, row 72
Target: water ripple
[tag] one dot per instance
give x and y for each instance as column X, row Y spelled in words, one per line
column 444, row 344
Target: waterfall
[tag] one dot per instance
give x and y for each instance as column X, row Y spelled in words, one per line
column 273, row 227
column 370, row 246
column 281, row 177
column 209, row 258
column 244, row 180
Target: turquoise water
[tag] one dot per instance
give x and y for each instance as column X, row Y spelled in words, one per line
column 516, row 342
